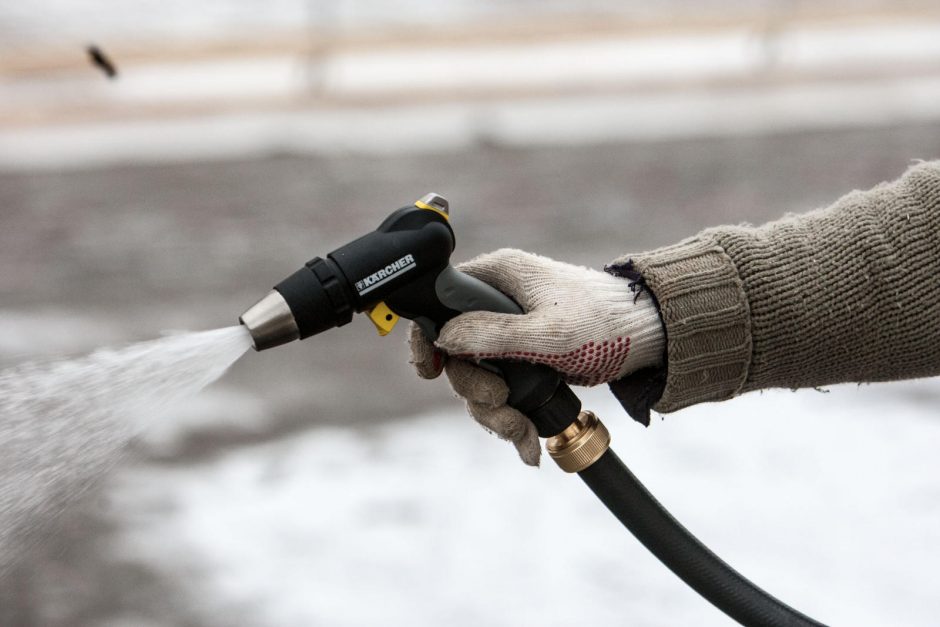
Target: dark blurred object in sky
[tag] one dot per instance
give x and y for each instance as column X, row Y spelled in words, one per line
column 100, row 59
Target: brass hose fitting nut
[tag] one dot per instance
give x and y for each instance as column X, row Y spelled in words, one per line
column 581, row 444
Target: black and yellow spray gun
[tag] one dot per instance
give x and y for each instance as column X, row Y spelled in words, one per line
column 402, row 270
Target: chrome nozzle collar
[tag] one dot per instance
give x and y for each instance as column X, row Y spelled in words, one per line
column 270, row 322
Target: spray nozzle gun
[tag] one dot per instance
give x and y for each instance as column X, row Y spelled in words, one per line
column 402, row 269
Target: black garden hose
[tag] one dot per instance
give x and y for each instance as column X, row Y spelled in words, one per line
column 681, row 552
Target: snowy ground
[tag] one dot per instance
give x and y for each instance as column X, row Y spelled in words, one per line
column 828, row 500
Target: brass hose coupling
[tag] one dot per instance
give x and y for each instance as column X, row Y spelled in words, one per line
column 581, row 444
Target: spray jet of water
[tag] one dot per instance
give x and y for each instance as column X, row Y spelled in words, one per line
column 65, row 423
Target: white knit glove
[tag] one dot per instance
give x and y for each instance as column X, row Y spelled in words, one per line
column 589, row 326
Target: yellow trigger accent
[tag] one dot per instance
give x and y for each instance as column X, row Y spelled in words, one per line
column 383, row 318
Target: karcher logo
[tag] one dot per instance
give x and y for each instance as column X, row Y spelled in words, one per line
column 385, row 274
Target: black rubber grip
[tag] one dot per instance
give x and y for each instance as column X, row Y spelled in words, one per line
column 681, row 552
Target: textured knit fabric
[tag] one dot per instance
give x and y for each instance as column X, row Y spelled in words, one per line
column 589, row 326
column 849, row 293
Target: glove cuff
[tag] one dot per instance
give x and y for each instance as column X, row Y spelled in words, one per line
column 647, row 339
column 708, row 341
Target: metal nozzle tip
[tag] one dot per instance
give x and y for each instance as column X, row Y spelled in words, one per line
column 270, row 322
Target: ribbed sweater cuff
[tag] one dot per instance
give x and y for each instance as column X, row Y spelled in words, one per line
column 705, row 313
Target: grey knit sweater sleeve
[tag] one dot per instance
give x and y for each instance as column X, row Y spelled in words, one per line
column 846, row 293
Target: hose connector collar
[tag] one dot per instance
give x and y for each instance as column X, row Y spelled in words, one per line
column 581, row 444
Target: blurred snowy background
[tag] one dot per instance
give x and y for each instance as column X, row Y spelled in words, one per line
column 323, row 484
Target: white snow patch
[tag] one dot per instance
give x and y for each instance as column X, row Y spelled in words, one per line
column 734, row 82
column 830, row 501
column 433, row 128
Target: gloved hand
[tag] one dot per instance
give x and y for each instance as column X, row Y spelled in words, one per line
column 589, row 326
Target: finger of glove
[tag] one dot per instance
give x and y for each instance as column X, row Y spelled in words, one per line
column 509, row 424
column 476, row 384
column 485, row 334
column 427, row 359
column 505, row 269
